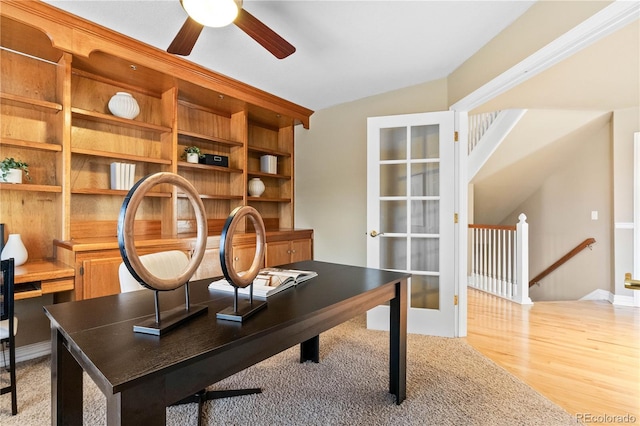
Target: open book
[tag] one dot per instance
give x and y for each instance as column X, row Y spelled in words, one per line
column 268, row 281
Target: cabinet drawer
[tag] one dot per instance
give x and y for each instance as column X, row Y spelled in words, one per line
column 54, row 286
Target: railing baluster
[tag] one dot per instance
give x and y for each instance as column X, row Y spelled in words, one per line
column 495, row 258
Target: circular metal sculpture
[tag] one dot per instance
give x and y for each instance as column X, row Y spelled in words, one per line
column 126, row 242
column 126, row 222
column 241, row 309
column 226, row 246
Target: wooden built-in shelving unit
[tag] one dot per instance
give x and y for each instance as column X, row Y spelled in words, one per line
column 57, row 74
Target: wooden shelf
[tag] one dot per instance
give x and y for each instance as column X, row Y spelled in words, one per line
column 207, row 167
column 268, row 175
column 30, row 187
column 39, row 146
column 208, row 139
column 214, row 197
column 269, row 200
column 121, row 192
column 24, row 102
column 119, row 156
column 181, row 104
column 112, row 119
column 265, row 151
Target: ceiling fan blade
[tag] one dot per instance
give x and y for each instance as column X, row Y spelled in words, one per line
column 186, row 38
column 279, row 47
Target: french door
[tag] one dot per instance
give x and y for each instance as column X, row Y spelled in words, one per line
column 410, row 215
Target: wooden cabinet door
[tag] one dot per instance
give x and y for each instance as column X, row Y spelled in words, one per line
column 283, row 252
column 100, row 277
column 243, row 257
column 277, row 253
column 301, row 250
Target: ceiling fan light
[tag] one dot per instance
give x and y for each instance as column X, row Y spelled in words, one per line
column 211, row 13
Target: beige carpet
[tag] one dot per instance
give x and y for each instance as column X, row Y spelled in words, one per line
column 448, row 383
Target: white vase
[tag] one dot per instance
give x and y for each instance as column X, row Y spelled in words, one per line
column 256, row 187
column 122, row 104
column 16, row 249
column 192, row 157
column 13, row 176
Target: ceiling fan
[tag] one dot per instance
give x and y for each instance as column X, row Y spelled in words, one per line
column 218, row 13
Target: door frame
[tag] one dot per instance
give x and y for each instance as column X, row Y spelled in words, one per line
column 608, row 20
column 636, row 214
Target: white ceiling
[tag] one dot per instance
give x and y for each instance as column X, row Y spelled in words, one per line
column 346, row 50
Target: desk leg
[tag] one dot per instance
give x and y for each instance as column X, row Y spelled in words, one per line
column 310, row 350
column 66, row 384
column 398, row 343
column 141, row 405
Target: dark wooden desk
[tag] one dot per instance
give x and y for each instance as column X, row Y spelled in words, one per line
column 141, row 375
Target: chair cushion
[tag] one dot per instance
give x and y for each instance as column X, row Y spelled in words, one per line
column 164, row 264
column 4, row 328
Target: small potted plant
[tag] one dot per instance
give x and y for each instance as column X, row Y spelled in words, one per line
column 11, row 170
column 192, row 154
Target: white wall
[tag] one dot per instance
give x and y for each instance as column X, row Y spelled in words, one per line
column 559, row 217
column 331, row 168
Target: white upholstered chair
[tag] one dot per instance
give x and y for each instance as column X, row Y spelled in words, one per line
column 164, row 264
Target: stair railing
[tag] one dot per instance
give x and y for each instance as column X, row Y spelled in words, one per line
column 478, row 125
column 577, row 249
column 499, row 260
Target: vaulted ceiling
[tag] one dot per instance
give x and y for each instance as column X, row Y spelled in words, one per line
column 345, row 50
column 566, row 103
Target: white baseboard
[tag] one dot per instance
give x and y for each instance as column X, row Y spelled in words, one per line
column 614, row 299
column 618, row 300
column 25, row 353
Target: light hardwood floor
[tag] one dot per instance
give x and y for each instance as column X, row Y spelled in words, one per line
column 582, row 355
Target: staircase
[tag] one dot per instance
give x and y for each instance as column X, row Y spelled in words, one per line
column 486, row 133
column 499, row 254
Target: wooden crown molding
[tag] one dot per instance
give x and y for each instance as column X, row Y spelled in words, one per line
column 79, row 36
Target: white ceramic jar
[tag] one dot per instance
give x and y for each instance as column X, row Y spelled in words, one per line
column 256, row 187
column 122, row 104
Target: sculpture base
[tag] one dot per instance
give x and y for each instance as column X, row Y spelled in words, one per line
column 245, row 310
column 170, row 320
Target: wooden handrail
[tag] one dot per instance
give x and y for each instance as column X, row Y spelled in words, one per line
column 586, row 243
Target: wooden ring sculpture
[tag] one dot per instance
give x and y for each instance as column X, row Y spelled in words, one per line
column 126, row 222
column 226, row 249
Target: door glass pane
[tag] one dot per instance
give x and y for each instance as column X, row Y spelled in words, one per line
column 425, row 180
column 393, row 216
column 425, row 254
column 393, row 253
column 425, row 216
column 393, row 143
column 425, row 292
column 425, row 141
column 393, row 180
